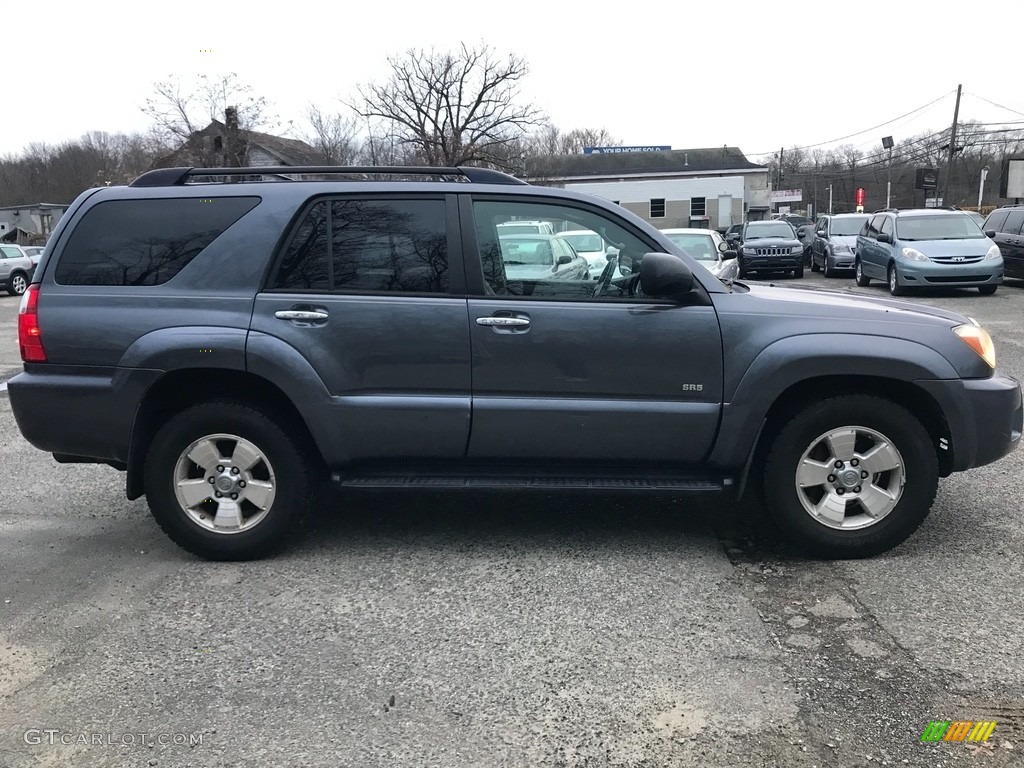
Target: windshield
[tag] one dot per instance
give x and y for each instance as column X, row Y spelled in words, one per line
column 769, row 229
column 585, row 243
column 955, row 226
column 521, row 229
column 525, row 250
column 848, row 226
column 700, row 247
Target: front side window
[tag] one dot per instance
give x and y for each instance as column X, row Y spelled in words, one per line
column 886, row 227
column 526, row 265
column 996, row 220
column 875, row 226
column 368, row 246
column 145, row 242
column 1014, row 222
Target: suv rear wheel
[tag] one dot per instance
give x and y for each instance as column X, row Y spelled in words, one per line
column 226, row 482
column 851, row 476
column 987, row 290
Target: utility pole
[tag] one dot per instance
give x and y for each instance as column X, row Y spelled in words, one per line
column 952, row 147
column 829, row 199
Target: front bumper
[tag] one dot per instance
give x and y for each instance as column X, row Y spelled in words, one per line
column 985, row 417
column 844, row 260
column 767, row 263
column 950, row 275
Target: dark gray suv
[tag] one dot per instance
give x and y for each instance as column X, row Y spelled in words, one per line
column 229, row 337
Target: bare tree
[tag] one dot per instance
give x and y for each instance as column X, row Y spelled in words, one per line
column 452, row 108
column 179, row 109
column 333, row 135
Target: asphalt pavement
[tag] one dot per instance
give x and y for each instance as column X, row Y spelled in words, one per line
column 425, row 629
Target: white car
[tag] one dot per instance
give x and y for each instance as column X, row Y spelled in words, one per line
column 591, row 246
column 709, row 248
column 34, row 252
column 525, row 228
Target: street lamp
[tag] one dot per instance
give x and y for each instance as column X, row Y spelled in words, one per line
column 887, row 143
column 981, row 186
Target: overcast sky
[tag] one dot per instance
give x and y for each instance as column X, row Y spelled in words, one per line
column 690, row 74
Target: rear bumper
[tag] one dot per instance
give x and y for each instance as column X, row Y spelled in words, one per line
column 79, row 411
column 985, row 417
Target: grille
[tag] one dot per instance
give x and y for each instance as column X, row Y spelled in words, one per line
column 958, row 279
column 773, row 250
column 957, row 259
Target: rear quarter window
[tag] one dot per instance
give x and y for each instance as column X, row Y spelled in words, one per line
column 145, row 242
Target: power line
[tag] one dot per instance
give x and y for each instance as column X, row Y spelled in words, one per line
column 858, row 133
column 1008, row 109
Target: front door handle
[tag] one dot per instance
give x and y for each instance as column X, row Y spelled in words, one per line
column 305, row 315
column 504, row 322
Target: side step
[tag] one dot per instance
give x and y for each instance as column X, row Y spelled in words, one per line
column 520, row 480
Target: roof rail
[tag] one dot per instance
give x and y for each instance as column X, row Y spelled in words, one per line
column 170, row 177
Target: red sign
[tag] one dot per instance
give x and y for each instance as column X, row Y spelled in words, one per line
column 859, row 196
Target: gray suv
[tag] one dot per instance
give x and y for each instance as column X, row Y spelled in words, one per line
column 230, row 337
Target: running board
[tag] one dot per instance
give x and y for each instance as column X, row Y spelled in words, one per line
column 521, row 481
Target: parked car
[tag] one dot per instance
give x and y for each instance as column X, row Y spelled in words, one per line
column 977, row 218
column 926, row 247
column 834, row 243
column 770, row 246
column 536, row 257
column 316, row 330
column 16, row 269
column 526, row 228
column 591, row 247
column 1006, row 227
column 732, row 235
column 707, row 247
column 34, row 252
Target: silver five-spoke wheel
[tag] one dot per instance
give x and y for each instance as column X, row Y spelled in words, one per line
column 224, row 483
column 850, row 478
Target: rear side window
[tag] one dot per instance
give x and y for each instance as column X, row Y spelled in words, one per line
column 145, row 242
column 1014, row 221
column 372, row 246
column 995, row 220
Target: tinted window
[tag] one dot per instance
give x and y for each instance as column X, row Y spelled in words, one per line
column 995, row 220
column 886, row 226
column 843, row 225
column 374, row 246
column 304, row 266
column 874, row 226
column 145, row 242
column 1014, row 221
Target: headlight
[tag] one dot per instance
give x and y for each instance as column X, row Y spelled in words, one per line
column 914, row 255
column 841, row 248
column 977, row 338
column 797, row 249
column 749, row 251
column 993, row 252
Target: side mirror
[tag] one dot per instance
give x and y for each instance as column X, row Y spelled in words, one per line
column 563, row 259
column 884, row 238
column 663, row 276
column 821, row 233
column 729, row 254
column 990, row 233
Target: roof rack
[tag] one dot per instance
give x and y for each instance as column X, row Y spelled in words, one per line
column 887, row 210
column 171, row 177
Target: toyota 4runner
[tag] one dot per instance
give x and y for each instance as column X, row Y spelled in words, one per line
column 229, row 337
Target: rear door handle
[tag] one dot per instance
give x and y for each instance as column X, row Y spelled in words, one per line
column 504, row 322
column 301, row 315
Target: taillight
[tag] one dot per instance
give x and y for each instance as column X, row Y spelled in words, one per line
column 29, row 336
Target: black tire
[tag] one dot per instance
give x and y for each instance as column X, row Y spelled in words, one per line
column 825, row 270
column 799, row 271
column 904, row 432
column 895, row 289
column 17, row 283
column 814, row 264
column 290, row 474
column 862, row 279
column 987, row 290
column 741, row 271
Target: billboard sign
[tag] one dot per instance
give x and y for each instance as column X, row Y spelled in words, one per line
column 786, row 195
column 927, row 178
column 1011, row 184
column 617, row 150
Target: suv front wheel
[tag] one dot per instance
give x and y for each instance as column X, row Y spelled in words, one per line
column 851, row 476
column 226, row 482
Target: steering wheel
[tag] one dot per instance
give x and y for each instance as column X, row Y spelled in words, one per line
column 606, row 277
